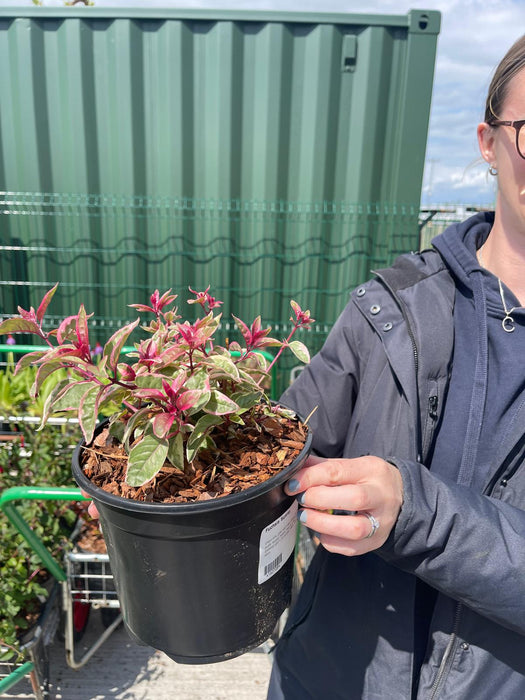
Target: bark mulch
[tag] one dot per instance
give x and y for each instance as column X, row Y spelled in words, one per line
column 250, row 456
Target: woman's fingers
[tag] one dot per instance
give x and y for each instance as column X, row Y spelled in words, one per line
column 349, row 497
column 92, row 509
column 352, row 526
column 332, row 472
column 352, row 504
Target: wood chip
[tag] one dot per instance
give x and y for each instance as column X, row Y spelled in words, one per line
column 256, row 452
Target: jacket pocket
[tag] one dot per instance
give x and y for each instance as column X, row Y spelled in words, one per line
column 509, row 485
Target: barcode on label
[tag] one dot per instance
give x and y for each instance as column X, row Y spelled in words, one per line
column 269, row 568
column 277, row 543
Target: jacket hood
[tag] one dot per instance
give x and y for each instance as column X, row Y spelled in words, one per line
column 458, row 244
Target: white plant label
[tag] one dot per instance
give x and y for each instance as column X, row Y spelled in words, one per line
column 277, row 543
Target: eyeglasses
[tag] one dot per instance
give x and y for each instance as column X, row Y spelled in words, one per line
column 520, row 133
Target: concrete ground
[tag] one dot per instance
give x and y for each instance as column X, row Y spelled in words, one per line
column 123, row 670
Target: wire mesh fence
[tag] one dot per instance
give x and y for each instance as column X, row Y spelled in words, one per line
column 109, row 251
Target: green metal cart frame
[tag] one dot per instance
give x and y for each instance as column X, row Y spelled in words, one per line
column 8, row 504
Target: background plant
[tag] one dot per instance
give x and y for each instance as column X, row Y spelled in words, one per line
column 179, row 389
column 36, row 458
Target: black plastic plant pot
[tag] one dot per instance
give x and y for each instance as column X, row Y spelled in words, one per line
column 205, row 581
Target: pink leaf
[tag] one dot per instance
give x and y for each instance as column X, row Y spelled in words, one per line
column 142, row 307
column 188, row 399
column 82, row 328
column 246, row 334
column 166, row 298
column 162, row 424
column 45, row 303
column 115, row 344
column 149, row 394
column 66, row 330
column 171, row 354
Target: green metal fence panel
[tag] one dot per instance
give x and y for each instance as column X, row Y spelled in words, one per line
column 245, row 105
column 272, row 155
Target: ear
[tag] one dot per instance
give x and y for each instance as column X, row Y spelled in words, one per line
column 486, row 138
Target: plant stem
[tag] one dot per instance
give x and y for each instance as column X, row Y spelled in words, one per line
column 281, row 349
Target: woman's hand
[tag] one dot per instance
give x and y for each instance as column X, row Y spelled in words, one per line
column 368, row 485
column 92, row 508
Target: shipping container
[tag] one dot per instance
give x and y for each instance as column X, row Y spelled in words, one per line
column 271, row 155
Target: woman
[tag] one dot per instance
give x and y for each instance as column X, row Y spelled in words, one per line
column 418, row 589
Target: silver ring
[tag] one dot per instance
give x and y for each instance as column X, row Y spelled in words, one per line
column 375, row 525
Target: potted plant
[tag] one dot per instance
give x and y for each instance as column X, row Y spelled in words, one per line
column 188, row 471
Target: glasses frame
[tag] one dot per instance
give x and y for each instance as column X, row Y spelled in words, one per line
column 517, row 125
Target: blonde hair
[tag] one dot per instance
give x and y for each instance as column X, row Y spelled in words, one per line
column 509, row 66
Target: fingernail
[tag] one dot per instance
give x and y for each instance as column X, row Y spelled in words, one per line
column 300, row 499
column 302, row 516
column 293, row 485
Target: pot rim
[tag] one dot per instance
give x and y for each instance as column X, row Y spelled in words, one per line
column 232, row 499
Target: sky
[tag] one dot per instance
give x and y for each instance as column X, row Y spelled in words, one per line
column 475, row 35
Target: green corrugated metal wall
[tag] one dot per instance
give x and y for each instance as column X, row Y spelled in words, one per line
column 271, row 155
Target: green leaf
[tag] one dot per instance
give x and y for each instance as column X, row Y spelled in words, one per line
column 224, row 364
column 28, row 359
column 150, row 381
column 117, row 428
column 197, row 380
column 219, row 404
column 112, row 399
column 88, row 413
column 53, row 399
column 69, row 395
column 202, row 426
column 234, row 418
column 19, row 325
column 196, row 445
column 176, row 451
column 146, row 459
column 44, row 371
column 246, row 375
column 300, row 351
column 247, row 399
column 136, row 419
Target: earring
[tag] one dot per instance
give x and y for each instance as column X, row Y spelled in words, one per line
column 493, row 170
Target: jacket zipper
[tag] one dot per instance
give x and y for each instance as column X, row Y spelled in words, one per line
column 430, row 425
column 448, row 656
column 450, row 650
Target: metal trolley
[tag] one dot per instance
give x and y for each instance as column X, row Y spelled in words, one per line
column 88, row 584
column 33, row 662
column 86, row 581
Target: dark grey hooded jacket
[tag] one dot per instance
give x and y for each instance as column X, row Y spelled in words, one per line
column 379, row 384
